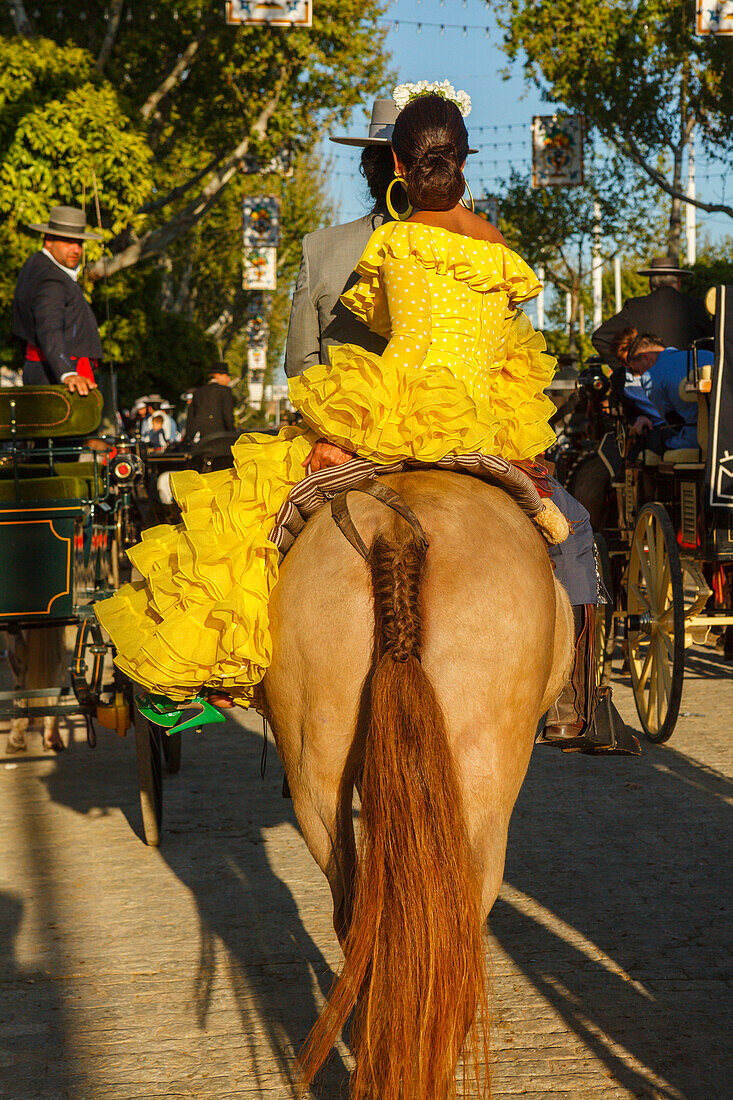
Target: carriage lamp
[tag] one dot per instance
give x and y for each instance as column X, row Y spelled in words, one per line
column 168, row 714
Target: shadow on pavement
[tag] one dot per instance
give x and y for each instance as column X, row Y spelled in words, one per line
column 617, row 909
column 217, row 813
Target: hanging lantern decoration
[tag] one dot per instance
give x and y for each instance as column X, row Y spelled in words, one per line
column 275, row 13
column 557, row 151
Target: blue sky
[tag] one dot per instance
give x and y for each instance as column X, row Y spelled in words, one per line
column 472, row 60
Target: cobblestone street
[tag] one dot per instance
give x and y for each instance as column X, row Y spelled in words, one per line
column 197, row 970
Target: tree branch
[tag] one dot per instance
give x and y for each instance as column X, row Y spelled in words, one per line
column 654, row 174
column 21, row 20
column 184, row 62
column 114, row 14
column 178, row 192
column 156, row 241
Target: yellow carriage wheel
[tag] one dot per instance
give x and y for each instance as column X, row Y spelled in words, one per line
column 655, row 622
column 605, row 640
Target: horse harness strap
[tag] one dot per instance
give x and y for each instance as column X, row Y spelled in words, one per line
column 381, row 492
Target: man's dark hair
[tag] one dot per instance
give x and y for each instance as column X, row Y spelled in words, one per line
column 621, row 343
column 656, row 282
column 645, row 341
column 377, row 168
column 431, row 141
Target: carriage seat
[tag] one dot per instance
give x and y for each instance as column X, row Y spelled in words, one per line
column 42, row 413
column 684, row 456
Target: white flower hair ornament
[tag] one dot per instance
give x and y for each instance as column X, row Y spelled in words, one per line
column 405, row 93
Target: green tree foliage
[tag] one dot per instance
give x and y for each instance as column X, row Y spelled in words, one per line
column 554, row 227
column 61, row 128
column 197, row 114
column 638, row 73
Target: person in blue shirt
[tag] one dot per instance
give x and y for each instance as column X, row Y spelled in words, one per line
column 660, row 370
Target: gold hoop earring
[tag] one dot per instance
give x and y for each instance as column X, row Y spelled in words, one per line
column 463, row 201
column 395, row 214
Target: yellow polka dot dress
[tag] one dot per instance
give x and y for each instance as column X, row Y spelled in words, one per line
column 463, row 371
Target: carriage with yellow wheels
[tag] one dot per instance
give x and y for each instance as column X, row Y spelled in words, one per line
column 665, row 547
column 68, row 512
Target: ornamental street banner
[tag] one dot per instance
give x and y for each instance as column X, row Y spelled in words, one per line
column 719, row 471
column 258, row 332
column 276, row 13
column 714, row 17
column 260, row 237
column 557, row 151
column 261, row 221
column 259, row 270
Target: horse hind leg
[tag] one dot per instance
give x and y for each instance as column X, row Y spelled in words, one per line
column 563, row 647
column 323, row 807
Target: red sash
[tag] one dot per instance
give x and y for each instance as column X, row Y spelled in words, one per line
column 82, row 364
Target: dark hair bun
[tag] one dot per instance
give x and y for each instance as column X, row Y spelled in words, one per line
column 431, row 140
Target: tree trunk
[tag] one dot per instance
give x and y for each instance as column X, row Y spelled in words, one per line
column 572, row 324
column 675, row 217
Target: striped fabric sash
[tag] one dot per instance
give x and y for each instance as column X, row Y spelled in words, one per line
column 316, row 489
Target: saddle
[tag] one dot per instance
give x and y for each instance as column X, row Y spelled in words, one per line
column 527, row 486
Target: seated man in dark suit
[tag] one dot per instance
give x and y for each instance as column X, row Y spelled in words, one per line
column 676, row 318
column 50, row 313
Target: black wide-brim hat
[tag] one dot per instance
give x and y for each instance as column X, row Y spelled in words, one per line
column 67, row 221
column 664, row 265
column 381, row 127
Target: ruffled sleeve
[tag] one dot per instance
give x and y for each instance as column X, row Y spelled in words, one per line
column 520, row 409
column 482, row 265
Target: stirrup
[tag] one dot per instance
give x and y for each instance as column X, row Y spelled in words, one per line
column 164, row 712
column 606, row 734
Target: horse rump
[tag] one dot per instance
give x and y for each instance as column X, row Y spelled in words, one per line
column 414, row 970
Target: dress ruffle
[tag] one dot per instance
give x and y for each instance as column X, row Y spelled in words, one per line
column 199, row 615
column 385, row 414
column 482, row 265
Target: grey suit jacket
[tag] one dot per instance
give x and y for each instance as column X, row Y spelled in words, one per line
column 317, row 318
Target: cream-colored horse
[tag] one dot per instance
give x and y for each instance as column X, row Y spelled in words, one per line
column 431, row 715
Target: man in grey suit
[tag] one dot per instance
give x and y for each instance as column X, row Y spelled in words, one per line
column 318, row 318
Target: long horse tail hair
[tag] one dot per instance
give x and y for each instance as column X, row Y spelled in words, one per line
column 414, row 967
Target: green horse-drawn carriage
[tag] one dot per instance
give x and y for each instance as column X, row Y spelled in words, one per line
column 67, row 515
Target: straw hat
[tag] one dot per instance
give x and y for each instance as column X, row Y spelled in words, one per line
column 67, row 221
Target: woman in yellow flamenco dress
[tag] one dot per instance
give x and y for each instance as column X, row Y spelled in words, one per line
column 463, row 371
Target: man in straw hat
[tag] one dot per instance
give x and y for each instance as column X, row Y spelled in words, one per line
column 676, row 317
column 50, row 313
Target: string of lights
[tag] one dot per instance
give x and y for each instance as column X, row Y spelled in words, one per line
column 395, row 24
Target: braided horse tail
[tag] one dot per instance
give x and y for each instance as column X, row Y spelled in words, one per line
column 415, row 965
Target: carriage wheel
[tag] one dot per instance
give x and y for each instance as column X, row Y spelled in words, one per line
column 150, row 775
column 656, row 622
column 604, row 613
column 171, row 751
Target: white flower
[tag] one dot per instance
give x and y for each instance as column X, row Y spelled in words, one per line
column 405, row 93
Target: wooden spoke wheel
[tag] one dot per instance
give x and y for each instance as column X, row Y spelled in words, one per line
column 150, row 774
column 604, row 613
column 656, row 622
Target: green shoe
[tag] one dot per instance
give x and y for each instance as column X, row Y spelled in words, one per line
column 167, row 714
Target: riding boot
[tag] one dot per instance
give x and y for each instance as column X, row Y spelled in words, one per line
column 584, row 719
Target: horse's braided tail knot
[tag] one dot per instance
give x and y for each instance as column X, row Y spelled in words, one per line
column 396, row 572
